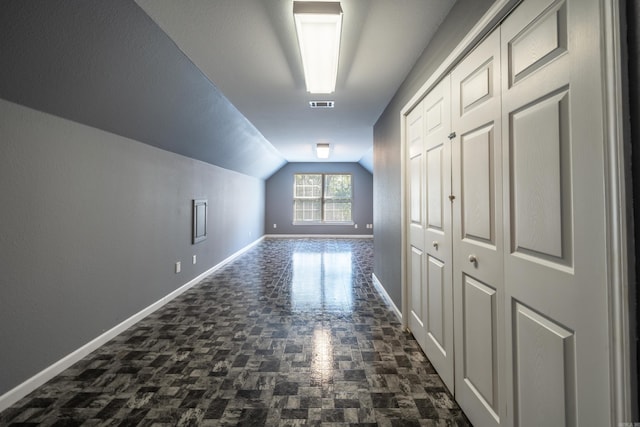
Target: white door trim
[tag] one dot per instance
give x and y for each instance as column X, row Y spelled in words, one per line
column 616, row 173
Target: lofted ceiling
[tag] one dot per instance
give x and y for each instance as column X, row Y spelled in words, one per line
column 248, row 49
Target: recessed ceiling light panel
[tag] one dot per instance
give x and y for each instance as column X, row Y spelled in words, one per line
column 318, row 25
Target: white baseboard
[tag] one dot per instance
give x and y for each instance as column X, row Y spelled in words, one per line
column 383, row 292
column 319, row 236
column 20, row 391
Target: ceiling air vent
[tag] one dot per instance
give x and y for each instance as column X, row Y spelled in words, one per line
column 321, row 104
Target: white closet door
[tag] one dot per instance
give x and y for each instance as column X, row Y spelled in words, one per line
column 437, row 280
column 478, row 235
column 416, row 259
column 555, row 263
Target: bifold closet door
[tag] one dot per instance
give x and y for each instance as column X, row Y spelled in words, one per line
column 417, row 295
column 439, row 292
column 555, row 266
column 431, row 299
column 478, row 235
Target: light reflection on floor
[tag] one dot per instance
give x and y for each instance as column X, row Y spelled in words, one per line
column 322, row 358
column 322, row 280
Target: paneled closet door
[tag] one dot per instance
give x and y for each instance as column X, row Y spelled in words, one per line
column 478, row 235
column 430, row 292
column 438, row 248
column 416, row 259
column 555, row 262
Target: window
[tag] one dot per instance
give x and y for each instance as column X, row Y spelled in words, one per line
column 322, row 198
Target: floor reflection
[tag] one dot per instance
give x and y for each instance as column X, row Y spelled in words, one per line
column 322, row 280
column 322, row 359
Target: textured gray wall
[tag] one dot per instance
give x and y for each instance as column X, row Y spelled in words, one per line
column 279, row 195
column 106, row 64
column 387, row 198
column 91, row 225
column 367, row 160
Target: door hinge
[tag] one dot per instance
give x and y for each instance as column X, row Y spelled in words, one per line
column 452, row 135
column 452, row 197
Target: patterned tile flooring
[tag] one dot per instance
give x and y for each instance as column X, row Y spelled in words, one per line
column 291, row 333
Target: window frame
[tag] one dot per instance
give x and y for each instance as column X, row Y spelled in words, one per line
column 322, row 199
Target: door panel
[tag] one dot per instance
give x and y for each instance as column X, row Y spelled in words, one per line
column 416, row 286
column 477, row 87
column 415, row 141
column 437, row 289
column 477, row 154
column 480, row 342
column 545, row 379
column 540, row 149
column 542, row 39
column 435, row 178
column 439, row 343
column 477, row 234
column 435, row 114
column 416, row 189
column 556, row 298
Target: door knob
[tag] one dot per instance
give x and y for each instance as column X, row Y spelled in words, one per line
column 473, row 259
column 435, row 244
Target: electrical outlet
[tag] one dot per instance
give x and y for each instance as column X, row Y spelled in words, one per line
column 275, row 225
column 178, row 267
column 355, row 225
column 194, row 259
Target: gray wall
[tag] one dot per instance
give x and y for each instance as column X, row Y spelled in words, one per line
column 387, row 197
column 91, row 225
column 279, row 194
column 106, row 64
column 367, row 160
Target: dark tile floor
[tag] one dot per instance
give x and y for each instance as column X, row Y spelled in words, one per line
column 291, row 333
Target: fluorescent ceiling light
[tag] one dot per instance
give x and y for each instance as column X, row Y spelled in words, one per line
column 318, row 25
column 322, row 150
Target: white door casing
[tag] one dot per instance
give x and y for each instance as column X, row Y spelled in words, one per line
column 477, row 234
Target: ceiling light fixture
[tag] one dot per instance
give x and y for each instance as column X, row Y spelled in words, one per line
column 322, row 150
column 318, row 25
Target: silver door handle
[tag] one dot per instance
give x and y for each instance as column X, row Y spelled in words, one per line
column 435, row 244
column 473, row 259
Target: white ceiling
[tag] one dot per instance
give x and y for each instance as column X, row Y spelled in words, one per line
column 248, row 49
